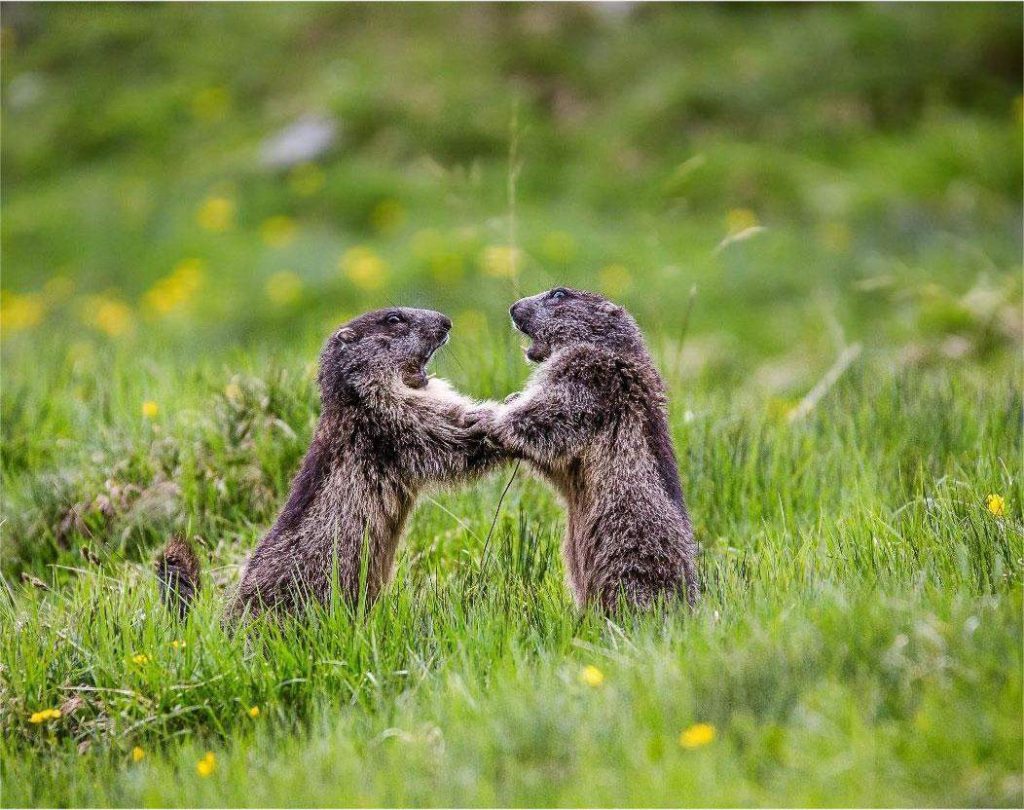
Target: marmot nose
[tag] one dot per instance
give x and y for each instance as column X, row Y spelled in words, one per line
column 446, row 323
column 512, row 309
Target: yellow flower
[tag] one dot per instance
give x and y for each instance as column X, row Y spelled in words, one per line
column 278, row 232
column 559, row 247
column 44, row 715
column 591, row 676
column 206, row 765
column 283, row 288
column 177, row 645
column 615, row 280
column 387, row 215
column 306, row 179
column 697, row 735
column 18, row 312
column 739, row 220
column 210, row 104
column 254, row 712
column 363, row 267
column 501, row 261
column 108, row 315
column 171, row 292
column 140, row 659
column 138, row 754
column 149, row 410
column 996, row 505
column 216, row 214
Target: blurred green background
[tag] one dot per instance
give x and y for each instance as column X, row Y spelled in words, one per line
column 206, row 178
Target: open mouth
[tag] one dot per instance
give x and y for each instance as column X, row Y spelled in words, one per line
column 415, row 375
column 536, row 351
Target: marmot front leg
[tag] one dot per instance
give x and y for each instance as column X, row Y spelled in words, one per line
column 442, row 446
column 543, row 426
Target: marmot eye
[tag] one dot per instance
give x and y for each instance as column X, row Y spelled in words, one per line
column 558, row 295
column 393, row 319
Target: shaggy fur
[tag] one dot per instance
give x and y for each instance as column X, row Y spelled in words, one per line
column 592, row 421
column 177, row 571
column 385, row 433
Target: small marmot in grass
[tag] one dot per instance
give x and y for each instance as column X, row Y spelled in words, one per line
column 386, row 431
column 592, row 421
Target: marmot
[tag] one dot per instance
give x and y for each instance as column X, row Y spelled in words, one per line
column 385, row 432
column 592, row 420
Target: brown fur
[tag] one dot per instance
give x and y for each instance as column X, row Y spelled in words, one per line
column 385, row 433
column 178, row 572
column 592, row 421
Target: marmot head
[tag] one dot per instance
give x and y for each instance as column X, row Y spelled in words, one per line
column 564, row 317
column 381, row 348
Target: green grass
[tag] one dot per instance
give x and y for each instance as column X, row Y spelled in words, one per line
column 860, row 637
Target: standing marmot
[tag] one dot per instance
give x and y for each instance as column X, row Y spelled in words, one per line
column 592, row 420
column 385, row 432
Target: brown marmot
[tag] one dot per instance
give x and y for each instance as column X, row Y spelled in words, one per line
column 385, row 432
column 592, row 421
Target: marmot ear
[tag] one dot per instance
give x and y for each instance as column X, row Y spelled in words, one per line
column 608, row 308
column 346, row 335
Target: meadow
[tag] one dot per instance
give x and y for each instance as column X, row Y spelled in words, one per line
column 815, row 215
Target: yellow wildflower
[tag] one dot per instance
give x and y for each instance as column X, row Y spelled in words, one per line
column 138, row 754
column 615, row 280
column 210, row 103
column 559, row 247
column 150, row 409
column 207, row 764
column 140, row 659
column 18, row 312
column 177, row 645
column 501, row 261
column 363, row 267
column 306, row 179
column 591, row 676
column 387, row 215
column 697, row 735
column 739, row 220
column 44, row 715
column 278, row 232
column 254, row 712
column 171, row 292
column 106, row 314
column 283, row 288
column 216, row 214
column 996, row 505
